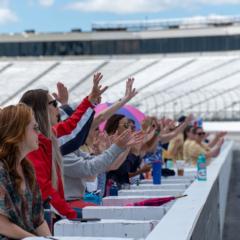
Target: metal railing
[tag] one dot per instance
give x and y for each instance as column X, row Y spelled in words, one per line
column 147, row 24
column 211, row 105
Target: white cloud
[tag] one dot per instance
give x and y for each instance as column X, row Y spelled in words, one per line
column 6, row 14
column 46, row 3
column 138, row 6
column 220, row 2
column 121, row 6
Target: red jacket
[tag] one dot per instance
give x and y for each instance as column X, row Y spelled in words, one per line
column 67, row 126
column 42, row 162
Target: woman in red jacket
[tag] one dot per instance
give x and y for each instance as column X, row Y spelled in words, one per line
column 47, row 159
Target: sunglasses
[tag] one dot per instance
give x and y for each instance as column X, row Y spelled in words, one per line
column 127, row 125
column 36, row 128
column 54, row 103
column 201, row 133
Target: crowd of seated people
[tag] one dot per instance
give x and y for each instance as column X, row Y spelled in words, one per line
column 52, row 154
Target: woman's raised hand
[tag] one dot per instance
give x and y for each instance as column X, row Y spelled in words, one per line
column 130, row 92
column 97, row 89
column 62, row 94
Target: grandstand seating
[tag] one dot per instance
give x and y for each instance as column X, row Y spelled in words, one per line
column 169, row 85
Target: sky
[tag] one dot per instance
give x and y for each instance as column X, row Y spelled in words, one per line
column 64, row 15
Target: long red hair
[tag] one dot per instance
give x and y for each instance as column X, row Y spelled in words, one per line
column 13, row 123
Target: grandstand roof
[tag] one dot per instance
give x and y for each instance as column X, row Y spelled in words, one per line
column 124, row 35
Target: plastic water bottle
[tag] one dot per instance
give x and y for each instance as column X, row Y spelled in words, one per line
column 157, row 172
column 200, row 122
column 114, row 190
column 169, row 164
column 201, row 168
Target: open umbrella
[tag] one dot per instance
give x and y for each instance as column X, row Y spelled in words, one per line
column 127, row 110
column 155, row 202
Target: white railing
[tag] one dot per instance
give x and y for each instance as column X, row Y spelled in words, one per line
column 194, row 22
column 203, row 211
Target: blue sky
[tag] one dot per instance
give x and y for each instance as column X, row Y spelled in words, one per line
column 63, row 15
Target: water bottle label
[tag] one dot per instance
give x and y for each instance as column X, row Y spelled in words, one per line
column 202, row 174
column 202, row 165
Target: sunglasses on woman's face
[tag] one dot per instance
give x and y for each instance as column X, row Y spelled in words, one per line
column 36, row 128
column 127, row 125
column 54, row 103
column 201, row 133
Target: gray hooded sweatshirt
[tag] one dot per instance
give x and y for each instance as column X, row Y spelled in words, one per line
column 79, row 165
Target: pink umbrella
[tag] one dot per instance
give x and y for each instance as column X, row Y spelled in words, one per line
column 127, row 110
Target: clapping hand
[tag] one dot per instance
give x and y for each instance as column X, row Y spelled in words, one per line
column 169, row 125
column 221, row 134
column 136, row 138
column 62, row 94
column 189, row 119
column 220, row 142
column 128, row 139
column 101, row 142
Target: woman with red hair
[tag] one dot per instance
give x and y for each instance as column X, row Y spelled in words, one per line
column 21, row 211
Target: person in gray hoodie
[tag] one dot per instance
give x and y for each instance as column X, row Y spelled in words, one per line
column 79, row 166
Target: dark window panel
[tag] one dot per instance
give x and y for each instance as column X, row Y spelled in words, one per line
column 110, row 47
